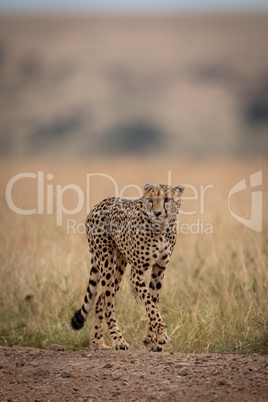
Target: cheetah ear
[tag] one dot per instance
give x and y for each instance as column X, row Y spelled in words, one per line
column 180, row 188
column 149, row 186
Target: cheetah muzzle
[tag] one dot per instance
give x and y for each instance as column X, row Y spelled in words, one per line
column 141, row 233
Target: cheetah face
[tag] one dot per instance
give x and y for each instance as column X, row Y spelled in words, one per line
column 161, row 202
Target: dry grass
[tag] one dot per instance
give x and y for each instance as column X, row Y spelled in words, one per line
column 215, row 293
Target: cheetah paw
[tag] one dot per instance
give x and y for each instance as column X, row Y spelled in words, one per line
column 121, row 345
column 151, row 345
column 161, row 337
column 157, row 348
column 99, row 346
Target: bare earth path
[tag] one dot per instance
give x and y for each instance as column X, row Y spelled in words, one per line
column 28, row 374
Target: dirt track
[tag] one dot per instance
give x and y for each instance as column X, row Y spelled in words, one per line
column 28, row 374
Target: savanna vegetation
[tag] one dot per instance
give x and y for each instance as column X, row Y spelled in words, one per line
column 215, row 292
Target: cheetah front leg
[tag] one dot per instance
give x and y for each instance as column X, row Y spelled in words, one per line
column 156, row 324
column 153, row 340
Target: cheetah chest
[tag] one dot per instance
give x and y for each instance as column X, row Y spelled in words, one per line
column 160, row 253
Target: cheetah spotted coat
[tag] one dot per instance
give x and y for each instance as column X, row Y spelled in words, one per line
column 141, row 233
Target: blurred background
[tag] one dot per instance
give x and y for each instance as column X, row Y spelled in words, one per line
column 103, row 79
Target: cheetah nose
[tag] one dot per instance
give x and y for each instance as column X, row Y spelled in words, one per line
column 157, row 213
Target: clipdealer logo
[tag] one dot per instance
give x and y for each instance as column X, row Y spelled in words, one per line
column 50, row 200
column 47, row 192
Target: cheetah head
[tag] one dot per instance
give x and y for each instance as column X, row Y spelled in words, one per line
column 161, row 202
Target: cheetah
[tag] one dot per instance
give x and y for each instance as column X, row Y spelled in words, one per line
column 141, row 233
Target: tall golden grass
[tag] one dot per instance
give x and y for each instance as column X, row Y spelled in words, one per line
column 215, row 293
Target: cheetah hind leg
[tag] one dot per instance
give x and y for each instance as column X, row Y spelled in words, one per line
column 97, row 341
column 118, row 342
column 156, row 335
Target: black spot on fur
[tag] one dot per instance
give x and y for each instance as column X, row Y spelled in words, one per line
column 94, row 270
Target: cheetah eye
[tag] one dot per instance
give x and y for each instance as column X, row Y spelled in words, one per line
column 150, row 200
column 167, row 199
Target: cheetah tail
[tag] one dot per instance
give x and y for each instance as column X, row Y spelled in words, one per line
column 80, row 316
